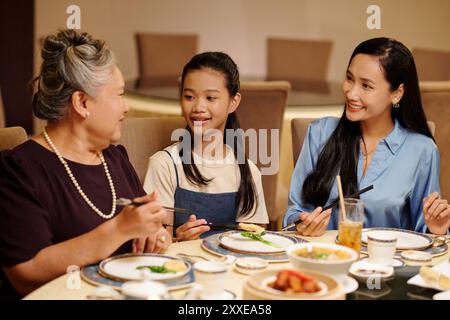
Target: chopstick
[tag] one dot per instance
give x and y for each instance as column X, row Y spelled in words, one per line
column 128, row 202
column 211, row 225
column 331, row 205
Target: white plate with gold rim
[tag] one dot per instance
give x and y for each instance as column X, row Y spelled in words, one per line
column 406, row 239
column 125, row 267
column 234, row 241
column 256, row 287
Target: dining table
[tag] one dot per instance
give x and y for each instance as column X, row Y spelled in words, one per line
column 62, row 288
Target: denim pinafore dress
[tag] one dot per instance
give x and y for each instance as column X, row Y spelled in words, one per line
column 216, row 208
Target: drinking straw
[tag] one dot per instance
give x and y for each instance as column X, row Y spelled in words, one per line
column 341, row 197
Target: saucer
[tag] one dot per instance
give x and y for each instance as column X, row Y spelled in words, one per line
column 416, row 258
column 444, row 295
column 396, row 264
column 364, row 270
column 349, row 285
column 224, row 295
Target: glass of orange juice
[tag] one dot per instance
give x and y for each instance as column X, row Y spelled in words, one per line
column 350, row 227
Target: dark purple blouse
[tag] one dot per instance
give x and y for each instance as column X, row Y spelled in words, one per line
column 40, row 206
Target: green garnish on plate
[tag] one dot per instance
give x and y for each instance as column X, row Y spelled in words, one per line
column 156, row 269
column 258, row 237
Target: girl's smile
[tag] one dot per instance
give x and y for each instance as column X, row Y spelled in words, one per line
column 205, row 100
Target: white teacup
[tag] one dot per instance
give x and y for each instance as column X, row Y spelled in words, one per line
column 211, row 275
column 381, row 249
column 145, row 290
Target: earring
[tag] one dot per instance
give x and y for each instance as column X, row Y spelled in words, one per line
column 87, row 114
column 396, row 105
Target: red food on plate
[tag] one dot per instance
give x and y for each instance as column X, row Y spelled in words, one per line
column 295, row 281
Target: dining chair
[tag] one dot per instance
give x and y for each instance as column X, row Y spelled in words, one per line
column 302, row 62
column 432, row 65
column 142, row 137
column 161, row 57
column 436, row 104
column 2, row 112
column 262, row 107
column 299, row 127
column 11, row 137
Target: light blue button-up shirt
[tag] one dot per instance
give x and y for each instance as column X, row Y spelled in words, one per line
column 404, row 170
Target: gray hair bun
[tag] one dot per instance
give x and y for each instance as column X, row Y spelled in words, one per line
column 72, row 61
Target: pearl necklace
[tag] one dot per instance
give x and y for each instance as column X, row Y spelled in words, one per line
column 77, row 186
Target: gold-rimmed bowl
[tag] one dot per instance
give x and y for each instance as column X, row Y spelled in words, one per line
column 250, row 265
column 336, row 268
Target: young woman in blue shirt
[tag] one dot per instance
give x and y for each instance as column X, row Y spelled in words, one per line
column 382, row 139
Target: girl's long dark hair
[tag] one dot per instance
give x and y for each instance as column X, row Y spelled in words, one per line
column 340, row 153
column 221, row 62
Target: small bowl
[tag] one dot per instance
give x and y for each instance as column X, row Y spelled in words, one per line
column 335, row 268
column 250, row 265
column 416, row 258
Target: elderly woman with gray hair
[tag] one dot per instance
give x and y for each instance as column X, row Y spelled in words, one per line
column 58, row 190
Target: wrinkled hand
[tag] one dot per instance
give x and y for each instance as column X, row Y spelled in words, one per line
column 192, row 229
column 436, row 212
column 314, row 224
column 141, row 221
column 157, row 243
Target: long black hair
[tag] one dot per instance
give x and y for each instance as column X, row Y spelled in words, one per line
column 340, row 154
column 221, row 62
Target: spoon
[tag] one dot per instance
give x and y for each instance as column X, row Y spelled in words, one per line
column 440, row 241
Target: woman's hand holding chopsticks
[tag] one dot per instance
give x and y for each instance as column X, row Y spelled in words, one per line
column 315, row 223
